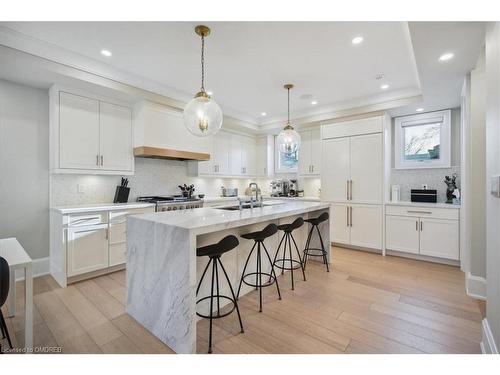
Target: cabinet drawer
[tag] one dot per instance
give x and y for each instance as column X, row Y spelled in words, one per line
column 121, row 215
column 87, row 218
column 436, row 213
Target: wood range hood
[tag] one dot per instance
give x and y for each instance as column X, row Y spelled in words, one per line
column 168, row 154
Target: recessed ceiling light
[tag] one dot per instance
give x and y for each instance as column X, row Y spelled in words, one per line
column 210, row 93
column 357, row 40
column 106, row 53
column 419, row 110
column 384, row 86
column 446, row 56
column 264, row 114
column 314, row 102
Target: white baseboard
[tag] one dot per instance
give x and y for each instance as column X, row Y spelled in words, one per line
column 475, row 286
column 41, row 266
column 488, row 345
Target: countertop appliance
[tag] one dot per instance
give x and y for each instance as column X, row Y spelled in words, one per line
column 228, row 192
column 172, row 202
column 424, row 195
column 280, row 188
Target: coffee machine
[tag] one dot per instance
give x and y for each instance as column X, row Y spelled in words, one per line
column 293, row 189
column 280, row 188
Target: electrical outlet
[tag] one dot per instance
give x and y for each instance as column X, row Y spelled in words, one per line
column 424, row 186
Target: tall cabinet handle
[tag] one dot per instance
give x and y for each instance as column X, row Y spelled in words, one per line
column 416, row 225
column 102, row 160
column 421, row 226
column 350, row 189
column 347, row 190
column 350, row 209
column 347, row 215
column 97, row 160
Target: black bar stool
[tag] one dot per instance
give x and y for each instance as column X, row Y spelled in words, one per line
column 214, row 252
column 315, row 252
column 288, row 229
column 259, row 238
column 4, row 292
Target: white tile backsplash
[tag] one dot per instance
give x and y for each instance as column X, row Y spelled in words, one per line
column 152, row 177
column 414, row 178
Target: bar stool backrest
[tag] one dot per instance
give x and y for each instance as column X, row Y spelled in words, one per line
column 323, row 217
column 227, row 243
column 4, row 280
column 297, row 223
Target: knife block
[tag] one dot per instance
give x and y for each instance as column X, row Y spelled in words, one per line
column 121, row 194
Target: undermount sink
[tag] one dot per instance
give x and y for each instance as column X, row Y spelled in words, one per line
column 244, row 207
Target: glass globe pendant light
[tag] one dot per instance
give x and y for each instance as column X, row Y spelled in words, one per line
column 202, row 115
column 288, row 138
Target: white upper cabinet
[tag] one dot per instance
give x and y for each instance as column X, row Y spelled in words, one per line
column 89, row 135
column 265, row 156
column 116, row 137
column 78, row 132
column 235, row 154
column 310, row 152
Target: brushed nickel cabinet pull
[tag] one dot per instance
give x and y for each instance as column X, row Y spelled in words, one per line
column 350, row 208
column 97, row 160
column 418, row 212
column 102, row 160
column 421, row 226
column 416, row 225
column 347, row 190
column 347, row 216
column 350, row 190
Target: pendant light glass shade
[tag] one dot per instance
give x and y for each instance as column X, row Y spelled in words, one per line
column 288, row 139
column 202, row 115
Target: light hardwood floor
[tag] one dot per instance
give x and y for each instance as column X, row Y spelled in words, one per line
column 366, row 304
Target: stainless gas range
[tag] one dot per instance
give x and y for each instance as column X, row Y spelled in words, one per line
column 172, row 203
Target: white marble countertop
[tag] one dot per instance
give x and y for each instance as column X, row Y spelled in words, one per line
column 421, row 204
column 211, row 219
column 101, row 207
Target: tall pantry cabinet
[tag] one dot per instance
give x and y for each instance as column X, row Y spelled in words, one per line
column 354, row 171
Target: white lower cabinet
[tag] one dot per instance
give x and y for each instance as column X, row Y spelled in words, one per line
column 432, row 232
column 87, row 249
column 439, row 238
column 84, row 243
column 402, row 233
column 357, row 225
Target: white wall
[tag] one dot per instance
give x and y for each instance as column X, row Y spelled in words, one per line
column 477, row 169
column 24, row 164
column 493, row 168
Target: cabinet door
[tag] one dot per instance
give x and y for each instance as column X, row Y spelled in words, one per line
column 366, row 168
column 78, row 132
column 366, row 226
column 439, row 238
column 87, row 249
column 116, row 137
column 249, row 158
column 305, row 153
column 335, row 169
column 316, row 151
column 221, row 153
column 339, row 224
column 402, row 233
column 261, row 157
column 235, row 161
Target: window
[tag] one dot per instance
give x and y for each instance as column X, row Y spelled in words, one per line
column 422, row 141
column 286, row 163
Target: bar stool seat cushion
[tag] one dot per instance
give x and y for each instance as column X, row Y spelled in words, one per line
column 261, row 235
column 318, row 220
column 297, row 223
column 217, row 249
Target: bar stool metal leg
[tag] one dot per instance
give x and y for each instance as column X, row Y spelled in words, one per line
column 272, row 270
column 211, row 309
column 323, row 248
column 300, row 258
column 244, row 269
column 232, row 293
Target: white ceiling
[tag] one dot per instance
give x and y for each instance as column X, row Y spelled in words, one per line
column 442, row 81
column 247, row 63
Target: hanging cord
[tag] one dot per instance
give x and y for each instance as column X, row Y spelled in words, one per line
column 202, row 63
column 288, row 91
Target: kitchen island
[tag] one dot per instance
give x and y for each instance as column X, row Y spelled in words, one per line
column 163, row 270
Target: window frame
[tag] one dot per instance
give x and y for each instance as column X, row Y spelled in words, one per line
column 444, row 161
column 277, row 159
